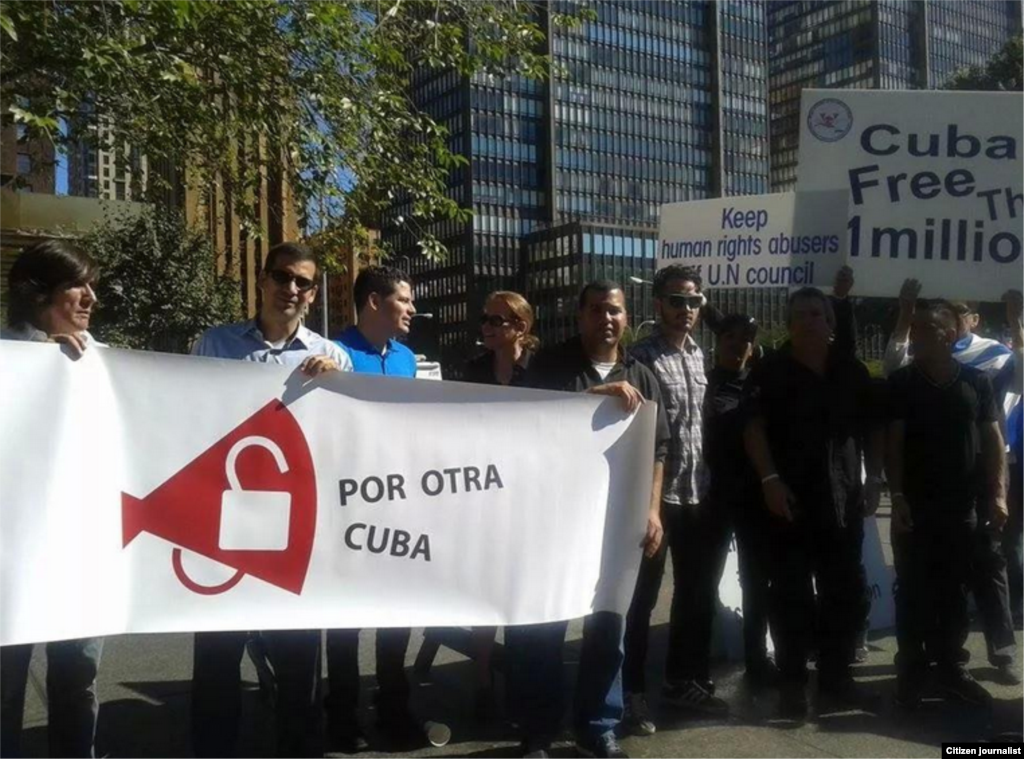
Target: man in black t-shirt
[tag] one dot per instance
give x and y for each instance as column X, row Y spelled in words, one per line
column 811, row 418
column 944, row 452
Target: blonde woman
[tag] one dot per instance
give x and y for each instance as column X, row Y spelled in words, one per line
column 506, row 325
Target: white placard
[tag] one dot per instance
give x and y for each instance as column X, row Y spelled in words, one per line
column 935, row 183
column 783, row 240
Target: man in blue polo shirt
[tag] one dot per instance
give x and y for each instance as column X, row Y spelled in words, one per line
column 384, row 311
column 384, row 307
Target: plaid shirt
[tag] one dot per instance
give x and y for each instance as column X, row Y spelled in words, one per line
column 680, row 374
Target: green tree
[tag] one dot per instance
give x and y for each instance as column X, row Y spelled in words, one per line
column 1004, row 71
column 316, row 91
column 158, row 288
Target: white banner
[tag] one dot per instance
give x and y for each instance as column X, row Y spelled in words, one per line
column 784, row 240
column 144, row 492
column 935, row 183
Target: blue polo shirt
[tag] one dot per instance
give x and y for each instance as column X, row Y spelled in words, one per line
column 396, row 361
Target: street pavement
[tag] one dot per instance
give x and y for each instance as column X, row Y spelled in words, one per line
column 144, row 690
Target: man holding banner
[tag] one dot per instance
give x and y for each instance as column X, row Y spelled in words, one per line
column 276, row 336
column 595, row 363
column 811, row 416
column 51, row 299
column 384, row 303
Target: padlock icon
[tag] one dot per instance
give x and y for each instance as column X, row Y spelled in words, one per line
column 253, row 520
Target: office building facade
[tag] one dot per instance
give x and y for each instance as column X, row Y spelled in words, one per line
column 653, row 103
column 872, row 44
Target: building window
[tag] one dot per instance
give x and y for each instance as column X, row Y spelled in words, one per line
column 24, row 163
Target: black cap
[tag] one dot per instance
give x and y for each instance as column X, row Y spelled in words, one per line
column 734, row 322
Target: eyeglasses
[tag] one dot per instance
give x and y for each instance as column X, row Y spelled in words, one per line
column 494, row 320
column 692, row 302
column 283, row 278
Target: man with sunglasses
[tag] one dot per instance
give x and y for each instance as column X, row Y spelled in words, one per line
column 384, row 307
column 276, row 336
column 696, row 534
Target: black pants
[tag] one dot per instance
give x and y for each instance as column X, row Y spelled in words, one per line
column 698, row 536
column 751, row 523
column 217, row 687
column 807, row 557
column 933, row 567
column 1013, row 550
column 343, row 673
column 991, row 588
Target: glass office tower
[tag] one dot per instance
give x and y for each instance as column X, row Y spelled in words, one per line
column 656, row 102
column 872, row 44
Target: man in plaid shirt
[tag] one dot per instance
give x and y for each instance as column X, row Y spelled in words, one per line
column 697, row 536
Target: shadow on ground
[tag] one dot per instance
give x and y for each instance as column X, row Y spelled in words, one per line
column 151, row 718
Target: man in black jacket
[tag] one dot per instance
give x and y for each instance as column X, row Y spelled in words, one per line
column 592, row 362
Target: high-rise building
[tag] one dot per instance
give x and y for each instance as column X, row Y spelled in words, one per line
column 651, row 103
column 872, row 44
column 97, row 169
column 26, row 164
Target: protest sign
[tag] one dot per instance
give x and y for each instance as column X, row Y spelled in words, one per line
column 784, row 240
column 935, row 184
column 155, row 493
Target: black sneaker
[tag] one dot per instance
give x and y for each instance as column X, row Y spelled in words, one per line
column 793, row 702
column 1008, row 673
column 958, row 683
column 909, row 689
column 604, row 747
column 691, row 695
column 636, row 717
column 844, row 694
column 346, row 735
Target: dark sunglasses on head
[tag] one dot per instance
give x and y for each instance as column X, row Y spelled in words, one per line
column 678, row 300
column 494, row 320
column 283, row 278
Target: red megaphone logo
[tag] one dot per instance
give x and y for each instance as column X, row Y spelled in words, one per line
column 248, row 502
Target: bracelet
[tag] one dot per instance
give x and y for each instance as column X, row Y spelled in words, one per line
column 769, row 478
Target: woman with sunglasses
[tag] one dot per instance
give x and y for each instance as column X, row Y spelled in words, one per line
column 505, row 324
column 50, row 300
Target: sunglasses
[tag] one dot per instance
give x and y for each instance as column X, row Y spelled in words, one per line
column 283, row 278
column 692, row 302
column 494, row 320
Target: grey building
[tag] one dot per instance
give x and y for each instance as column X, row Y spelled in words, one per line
column 658, row 102
column 872, row 44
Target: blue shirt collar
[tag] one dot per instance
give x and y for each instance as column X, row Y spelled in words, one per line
column 355, row 339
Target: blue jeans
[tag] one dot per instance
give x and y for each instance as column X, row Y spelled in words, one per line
column 534, row 676
column 71, row 667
